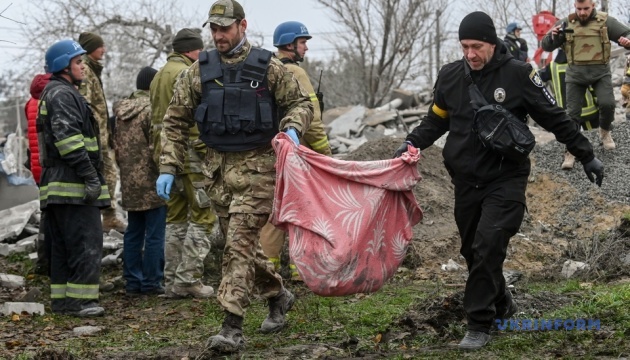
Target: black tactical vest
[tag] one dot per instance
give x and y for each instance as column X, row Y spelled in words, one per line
column 237, row 111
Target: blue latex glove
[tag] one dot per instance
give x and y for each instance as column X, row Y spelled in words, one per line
column 164, row 184
column 294, row 135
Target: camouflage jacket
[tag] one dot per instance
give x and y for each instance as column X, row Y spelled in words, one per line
column 315, row 137
column 92, row 89
column 179, row 117
column 161, row 93
column 132, row 144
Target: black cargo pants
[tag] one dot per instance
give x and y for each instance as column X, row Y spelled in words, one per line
column 487, row 217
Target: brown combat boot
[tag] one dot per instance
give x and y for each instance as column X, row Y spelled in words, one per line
column 607, row 140
column 568, row 162
column 279, row 305
column 110, row 221
column 230, row 338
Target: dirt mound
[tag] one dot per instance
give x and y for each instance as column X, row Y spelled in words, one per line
column 565, row 212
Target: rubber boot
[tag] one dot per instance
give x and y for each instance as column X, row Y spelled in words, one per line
column 607, row 140
column 568, row 162
column 278, row 308
column 230, row 338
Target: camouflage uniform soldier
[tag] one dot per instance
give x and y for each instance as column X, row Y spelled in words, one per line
column 191, row 226
column 143, row 250
column 585, row 37
column 290, row 38
column 92, row 89
column 235, row 94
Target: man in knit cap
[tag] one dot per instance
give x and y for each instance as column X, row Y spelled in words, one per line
column 191, row 226
column 143, row 251
column 490, row 189
column 92, row 89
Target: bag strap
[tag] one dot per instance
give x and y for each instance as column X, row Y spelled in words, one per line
column 477, row 100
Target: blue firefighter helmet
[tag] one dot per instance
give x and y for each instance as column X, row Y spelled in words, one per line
column 287, row 32
column 513, row 26
column 59, row 54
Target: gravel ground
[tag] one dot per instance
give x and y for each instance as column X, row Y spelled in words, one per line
column 549, row 156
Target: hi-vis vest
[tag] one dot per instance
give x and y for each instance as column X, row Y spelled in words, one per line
column 237, row 111
column 590, row 115
column 588, row 45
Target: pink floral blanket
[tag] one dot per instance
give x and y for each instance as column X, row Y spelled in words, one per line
column 349, row 222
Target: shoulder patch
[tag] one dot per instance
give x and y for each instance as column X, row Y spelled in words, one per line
column 549, row 96
column 535, row 78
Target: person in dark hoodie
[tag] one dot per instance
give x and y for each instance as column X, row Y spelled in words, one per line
column 490, row 189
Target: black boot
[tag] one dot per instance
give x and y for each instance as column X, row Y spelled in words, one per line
column 230, row 338
column 278, row 308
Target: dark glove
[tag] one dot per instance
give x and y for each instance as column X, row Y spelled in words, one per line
column 402, row 149
column 92, row 188
column 596, row 167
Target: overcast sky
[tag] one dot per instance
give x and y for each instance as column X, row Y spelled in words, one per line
column 262, row 17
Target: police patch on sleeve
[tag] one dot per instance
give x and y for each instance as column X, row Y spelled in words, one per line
column 535, row 78
column 549, row 96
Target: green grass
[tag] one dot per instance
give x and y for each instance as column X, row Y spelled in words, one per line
column 363, row 324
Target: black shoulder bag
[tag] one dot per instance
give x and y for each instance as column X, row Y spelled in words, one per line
column 497, row 128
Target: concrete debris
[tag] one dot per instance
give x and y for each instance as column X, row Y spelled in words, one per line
column 87, row 330
column 113, row 259
column 33, row 295
column 10, row 308
column 570, row 267
column 451, row 265
column 396, row 118
column 11, row 281
column 348, row 123
column 14, row 219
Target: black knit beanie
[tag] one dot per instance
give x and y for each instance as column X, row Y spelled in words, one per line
column 187, row 40
column 478, row 26
column 90, row 41
column 145, row 76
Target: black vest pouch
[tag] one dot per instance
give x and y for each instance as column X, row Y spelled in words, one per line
column 266, row 115
column 247, row 110
column 231, row 111
column 215, row 110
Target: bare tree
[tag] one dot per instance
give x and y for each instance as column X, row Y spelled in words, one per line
column 136, row 34
column 382, row 45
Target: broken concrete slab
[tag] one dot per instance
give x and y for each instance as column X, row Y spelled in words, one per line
column 348, row 123
column 29, row 243
column 14, row 219
column 8, row 249
column 11, row 281
column 379, row 117
column 10, row 308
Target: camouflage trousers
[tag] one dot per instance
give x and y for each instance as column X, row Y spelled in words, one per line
column 110, row 172
column 191, row 230
column 242, row 187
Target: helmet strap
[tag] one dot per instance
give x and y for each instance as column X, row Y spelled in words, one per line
column 73, row 80
column 296, row 56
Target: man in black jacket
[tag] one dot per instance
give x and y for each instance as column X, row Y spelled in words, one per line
column 490, row 189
